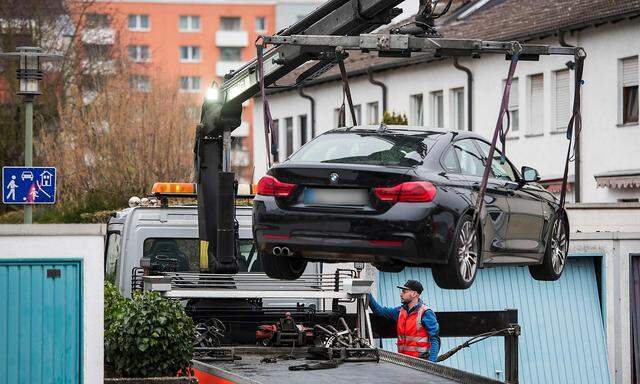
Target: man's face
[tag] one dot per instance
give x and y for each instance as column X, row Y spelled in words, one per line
column 407, row 296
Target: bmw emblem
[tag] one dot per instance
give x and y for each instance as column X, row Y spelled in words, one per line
column 334, row 177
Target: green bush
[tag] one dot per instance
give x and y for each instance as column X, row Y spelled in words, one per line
column 147, row 336
column 391, row 118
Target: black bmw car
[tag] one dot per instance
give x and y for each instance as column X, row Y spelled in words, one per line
column 397, row 197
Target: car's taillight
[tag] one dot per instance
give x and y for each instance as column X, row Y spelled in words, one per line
column 270, row 186
column 409, row 192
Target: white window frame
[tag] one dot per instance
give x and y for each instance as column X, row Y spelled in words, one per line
column 513, row 106
column 456, row 111
column 190, row 28
column 622, row 84
column 416, row 109
column 190, row 82
column 138, row 57
column 137, row 80
column 437, row 108
column 532, row 123
column 191, row 49
column 255, row 21
column 373, row 113
column 138, row 27
column 555, row 105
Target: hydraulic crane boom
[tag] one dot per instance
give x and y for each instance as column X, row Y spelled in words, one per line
column 325, row 35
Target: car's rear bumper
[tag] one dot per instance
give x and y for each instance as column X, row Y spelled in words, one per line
column 413, row 233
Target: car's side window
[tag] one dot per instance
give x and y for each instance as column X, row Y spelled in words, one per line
column 499, row 169
column 470, row 159
column 450, row 161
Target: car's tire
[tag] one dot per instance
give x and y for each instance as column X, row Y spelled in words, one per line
column 282, row 267
column 462, row 265
column 389, row 267
column 555, row 256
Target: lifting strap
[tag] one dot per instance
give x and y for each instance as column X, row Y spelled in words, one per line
column 575, row 123
column 516, row 48
column 269, row 126
column 346, row 91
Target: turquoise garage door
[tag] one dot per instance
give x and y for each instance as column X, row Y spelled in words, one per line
column 40, row 325
column 563, row 339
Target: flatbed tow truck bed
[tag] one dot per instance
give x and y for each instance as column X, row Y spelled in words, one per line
column 392, row 368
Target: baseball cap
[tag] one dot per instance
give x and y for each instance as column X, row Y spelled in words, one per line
column 413, row 285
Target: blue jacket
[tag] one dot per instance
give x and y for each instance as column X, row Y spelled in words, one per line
column 428, row 320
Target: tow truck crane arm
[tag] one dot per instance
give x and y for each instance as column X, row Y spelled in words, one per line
column 325, row 35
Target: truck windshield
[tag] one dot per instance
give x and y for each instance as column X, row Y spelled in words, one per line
column 183, row 255
column 369, row 148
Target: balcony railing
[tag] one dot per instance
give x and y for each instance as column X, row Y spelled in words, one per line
column 232, row 38
column 100, row 36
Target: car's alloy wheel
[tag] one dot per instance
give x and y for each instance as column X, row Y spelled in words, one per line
column 559, row 247
column 554, row 260
column 468, row 252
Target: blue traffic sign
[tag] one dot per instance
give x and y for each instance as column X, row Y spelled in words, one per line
column 28, row 185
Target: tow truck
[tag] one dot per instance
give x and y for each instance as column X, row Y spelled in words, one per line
column 324, row 37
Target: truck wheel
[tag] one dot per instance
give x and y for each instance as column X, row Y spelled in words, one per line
column 555, row 256
column 462, row 265
column 282, row 267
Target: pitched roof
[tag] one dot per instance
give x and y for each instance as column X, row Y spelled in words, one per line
column 497, row 20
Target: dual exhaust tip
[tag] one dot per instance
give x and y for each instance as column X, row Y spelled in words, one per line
column 281, row 251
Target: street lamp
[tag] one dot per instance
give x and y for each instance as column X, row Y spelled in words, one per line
column 29, row 75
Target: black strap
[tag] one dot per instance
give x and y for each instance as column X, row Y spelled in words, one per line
column 575, row 123
column 347, row 91
column 269, row 127
column 328, row 364
column 497, row 132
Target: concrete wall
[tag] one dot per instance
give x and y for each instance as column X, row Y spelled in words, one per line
column 606, row 145
column 61, row 241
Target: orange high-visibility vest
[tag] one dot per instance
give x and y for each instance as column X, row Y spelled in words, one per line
column 413, row 338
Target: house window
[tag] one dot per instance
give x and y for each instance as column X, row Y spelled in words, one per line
column 189, row 23
column 190, row 53
column 336, row 118
column 357, row 109
column 372, row 113
column 561, row 100
column 230, row 54
column 288, row 128
column 139, row 53
column 140, row 83
column 536, row 105
column 514, row 106
column 304, row 137
column 629, row 90
column 97, row 51
column 97, row 20
column 230, row 24
column 261, row 24
column 437, row 108
column 190, row 83
column 138, row 22
column 416, row 109
column 274, row 134
column 457, row 101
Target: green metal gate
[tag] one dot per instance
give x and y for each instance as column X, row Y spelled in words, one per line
column 40, row 321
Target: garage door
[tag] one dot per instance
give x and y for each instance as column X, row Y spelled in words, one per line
column 562, row 340
column 40, row 322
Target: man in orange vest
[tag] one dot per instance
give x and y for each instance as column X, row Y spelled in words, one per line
column 417, row 325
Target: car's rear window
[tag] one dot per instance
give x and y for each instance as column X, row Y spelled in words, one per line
column 366, row 148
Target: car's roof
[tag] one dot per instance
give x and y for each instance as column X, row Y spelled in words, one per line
column 409, row 130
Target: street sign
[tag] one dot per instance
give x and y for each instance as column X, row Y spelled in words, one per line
column 28, row 185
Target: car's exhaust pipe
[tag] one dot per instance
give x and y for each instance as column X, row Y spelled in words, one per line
column 285, row 251
column 277, row 251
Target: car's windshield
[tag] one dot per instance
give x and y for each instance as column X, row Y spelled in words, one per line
column 389, row 149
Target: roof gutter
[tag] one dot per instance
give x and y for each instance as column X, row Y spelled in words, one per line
column 382, row 86
column 576, row 171
column 466, row 70
column 313, row 110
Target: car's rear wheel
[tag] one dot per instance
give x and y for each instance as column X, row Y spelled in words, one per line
column 389, row 267
column 555, row 256
column 282, row 267
column 462, row 265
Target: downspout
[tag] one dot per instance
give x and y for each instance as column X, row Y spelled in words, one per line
column 313, row 110
column 469, row 91
column 382, row 85
column 576, row 171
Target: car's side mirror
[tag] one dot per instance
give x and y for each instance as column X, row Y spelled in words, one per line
column 529, row 175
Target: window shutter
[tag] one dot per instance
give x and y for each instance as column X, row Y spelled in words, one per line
column 630, row 71
column 536, row 122
column 562, row 99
